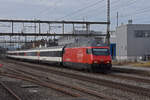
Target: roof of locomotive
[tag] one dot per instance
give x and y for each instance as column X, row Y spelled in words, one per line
column 87, row 43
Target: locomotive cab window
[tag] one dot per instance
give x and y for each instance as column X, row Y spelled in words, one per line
column 89, row 51
column 101, row 51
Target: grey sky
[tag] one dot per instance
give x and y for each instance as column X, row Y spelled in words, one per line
column 138, row 10
column 91, row 10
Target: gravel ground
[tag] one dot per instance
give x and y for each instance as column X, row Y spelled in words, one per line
column 48, row 76
column 121, row 95
column 102, row 89
column 5, row 95
column 35, row 92
column 109, row 91
column 100, row 76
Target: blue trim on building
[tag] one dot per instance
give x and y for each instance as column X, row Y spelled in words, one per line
column 113, row 50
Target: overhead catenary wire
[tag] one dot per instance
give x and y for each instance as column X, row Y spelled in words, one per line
column 102, row 10
column 135, row 13
column 90, row 11
column 80, row 9
column 47, row 9
column 95, row 10
column 115, row 8
column 140, row 11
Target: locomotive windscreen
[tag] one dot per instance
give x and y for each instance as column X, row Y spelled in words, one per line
column 101, row 51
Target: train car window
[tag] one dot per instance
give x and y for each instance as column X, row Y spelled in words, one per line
column 89, row 51
column 59, row 53
column 31, row 53
column 51, row 54
column 11, row 53
column 44, row 53
column 21, row 54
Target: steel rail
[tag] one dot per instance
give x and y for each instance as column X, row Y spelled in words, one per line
column 131, row 71
column 120, row 76
column 10, row 91
column 41, row 83
column 137, row 79
column 87, row 91
column 104, row 82
column 94, row 93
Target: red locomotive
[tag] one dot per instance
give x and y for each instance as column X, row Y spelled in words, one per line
column 94, row 56
column 89, row 55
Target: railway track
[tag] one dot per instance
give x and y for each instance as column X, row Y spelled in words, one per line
column 10, row 91
column 132, row 71
column 50, row 82
column 107, row 83
column 29, row 78
column 137, row 79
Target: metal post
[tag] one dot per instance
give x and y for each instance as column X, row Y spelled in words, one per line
column 63, row 29
column 39, row 28
column 54, row 37
column 50, row 30
column 117, row 18
column 18, row 43
column 10, row 41
column 23, row 28
column 35, row 31
column 87, row 29
column 5, row 42
column 26, row 39
column 73, row 29
column 12, row 32
column 34, row 27
column 12, row 27
column 24, row 32
column 108, row 25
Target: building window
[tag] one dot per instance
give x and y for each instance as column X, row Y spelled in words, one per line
column 142, row 33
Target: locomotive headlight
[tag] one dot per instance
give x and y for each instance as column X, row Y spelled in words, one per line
column 108, row 62
column 95, row 62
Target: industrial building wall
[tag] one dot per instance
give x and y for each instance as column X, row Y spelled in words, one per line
column 121, row 42
column 138, row 36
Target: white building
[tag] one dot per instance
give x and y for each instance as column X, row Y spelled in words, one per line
column 132, row 41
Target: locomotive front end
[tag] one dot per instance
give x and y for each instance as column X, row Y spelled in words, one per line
column 101, row 59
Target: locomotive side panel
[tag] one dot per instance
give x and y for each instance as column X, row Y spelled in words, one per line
column 76, row 58
column 90, row 58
